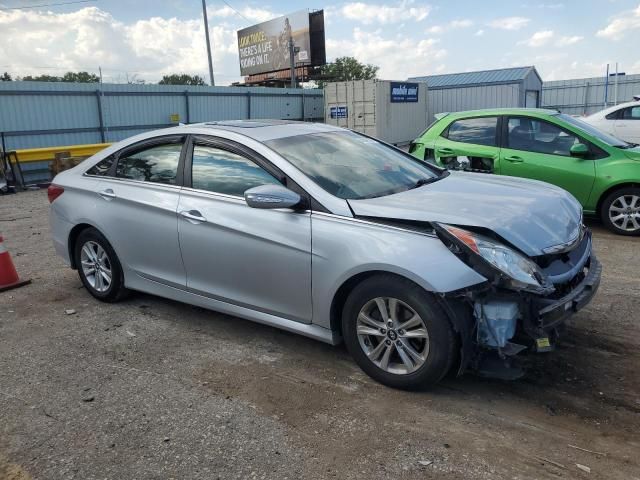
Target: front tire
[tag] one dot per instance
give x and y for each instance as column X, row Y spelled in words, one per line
column 620, row 211
column 98, row 266
column 397, row 333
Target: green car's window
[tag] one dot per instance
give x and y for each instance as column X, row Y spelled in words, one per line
column 594, row 132
column 533, row 135
column 478, row 131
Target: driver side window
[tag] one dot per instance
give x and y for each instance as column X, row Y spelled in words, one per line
column 539, row 136
column 221, row 171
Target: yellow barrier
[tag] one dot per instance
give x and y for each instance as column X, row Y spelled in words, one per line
column 27, row 155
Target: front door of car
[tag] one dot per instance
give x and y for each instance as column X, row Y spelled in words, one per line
column 469, row 144
column 249, row 257
column 137, row 212
column 627, row 124
column 537, row 149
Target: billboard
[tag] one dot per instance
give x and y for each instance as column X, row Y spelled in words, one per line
column 265, row 47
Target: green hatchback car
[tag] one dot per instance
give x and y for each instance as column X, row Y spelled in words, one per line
column 601, row 171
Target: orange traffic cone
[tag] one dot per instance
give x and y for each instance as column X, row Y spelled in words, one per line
column 8, row 275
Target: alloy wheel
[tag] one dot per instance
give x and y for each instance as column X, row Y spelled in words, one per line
column 96, row 266
column 624, row 213
column 392, row 335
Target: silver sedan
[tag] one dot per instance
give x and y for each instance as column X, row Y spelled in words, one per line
column 333, row 235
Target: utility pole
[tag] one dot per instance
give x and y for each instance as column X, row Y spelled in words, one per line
column 206, row 34
column 606, row 87
column 615, row 87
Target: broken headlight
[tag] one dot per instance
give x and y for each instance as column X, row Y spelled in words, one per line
column 515, row 271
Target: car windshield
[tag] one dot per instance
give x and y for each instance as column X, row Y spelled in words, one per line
column 352, row 166
column 595, row 132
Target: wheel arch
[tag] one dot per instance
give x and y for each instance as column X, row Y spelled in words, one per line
column 342, row 293
column 612, row 189
column 73, row 238
column 455, row 313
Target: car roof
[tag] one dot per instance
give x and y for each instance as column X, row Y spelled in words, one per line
column 264, row 129
column 615, row 108
column 500, row 111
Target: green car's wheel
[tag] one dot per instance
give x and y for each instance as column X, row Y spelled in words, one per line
column 620, row 211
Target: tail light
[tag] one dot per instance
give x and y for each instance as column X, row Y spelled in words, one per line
column 54, row 191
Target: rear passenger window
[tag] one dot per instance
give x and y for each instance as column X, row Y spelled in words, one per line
column 221, row 171
column 102, row 167
column 479, row 131
column 157, row 164
column 631, row 113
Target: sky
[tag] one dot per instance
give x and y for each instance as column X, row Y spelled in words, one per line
column 145, row 39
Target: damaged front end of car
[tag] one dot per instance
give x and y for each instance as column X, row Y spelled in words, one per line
column 525, row 302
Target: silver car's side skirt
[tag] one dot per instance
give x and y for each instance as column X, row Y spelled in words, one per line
column 308, row 330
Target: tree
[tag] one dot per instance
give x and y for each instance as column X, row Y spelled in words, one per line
column 348, row 68
column 181, row 79
column 70, row 77
column 80, row 77
column 5, row 77
column 40, row 78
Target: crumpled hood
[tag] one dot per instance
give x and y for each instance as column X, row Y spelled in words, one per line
column 529, row 214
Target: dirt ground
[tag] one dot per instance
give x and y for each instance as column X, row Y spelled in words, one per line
column 154, row 389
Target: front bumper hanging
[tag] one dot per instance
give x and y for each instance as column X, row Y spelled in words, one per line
column 549, row 314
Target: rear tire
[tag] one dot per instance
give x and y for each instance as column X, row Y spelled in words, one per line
column 413, row 348
column 620, row 211
column 98, row 266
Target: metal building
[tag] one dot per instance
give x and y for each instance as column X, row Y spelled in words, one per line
column 584, row 96
column 506, row 87
column 393, row 111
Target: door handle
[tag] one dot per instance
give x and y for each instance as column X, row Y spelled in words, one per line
column 514, row 159
column 445, row 151
column 193, row 216
column 107, row 194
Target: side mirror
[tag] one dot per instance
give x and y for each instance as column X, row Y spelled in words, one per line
column 271, row 196
column 579, row 150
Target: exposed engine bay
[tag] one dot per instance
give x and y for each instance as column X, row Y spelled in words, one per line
column 504, row 319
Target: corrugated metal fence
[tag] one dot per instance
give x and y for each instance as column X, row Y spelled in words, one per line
column 473, row 97
column 584, row 96
column 39, row 114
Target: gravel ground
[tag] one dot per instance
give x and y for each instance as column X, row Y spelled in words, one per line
column 154, row 389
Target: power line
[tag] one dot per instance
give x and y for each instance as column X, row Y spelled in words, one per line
column 47, row 5
column 227, row 4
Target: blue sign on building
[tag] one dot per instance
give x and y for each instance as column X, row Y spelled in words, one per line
column 404, row 92
column 338, row 112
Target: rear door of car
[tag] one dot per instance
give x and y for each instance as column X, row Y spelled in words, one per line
column 139, row 199
column 254, row 258
column 627, row 124
column 469, row 144
column 539, row 149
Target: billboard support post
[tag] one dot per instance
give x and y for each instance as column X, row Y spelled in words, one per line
column 292, row 65
column 206, row 34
